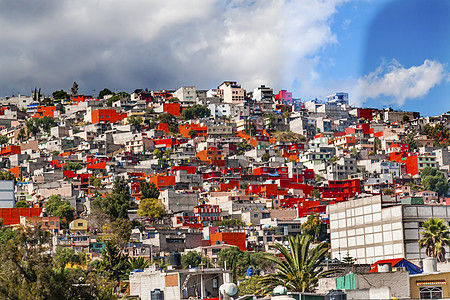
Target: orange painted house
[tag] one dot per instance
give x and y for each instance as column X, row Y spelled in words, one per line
column 8, row 150
column 45, row 111
column 164, row 127
column 106, row 116
column 211, row 155
column 184, row 129
column 230, row 238
column 162, row 181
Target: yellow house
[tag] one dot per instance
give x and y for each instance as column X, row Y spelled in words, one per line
column 78, row 225
column 430, row 286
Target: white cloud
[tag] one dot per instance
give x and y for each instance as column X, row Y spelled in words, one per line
column 161, row 44
column 400, row 83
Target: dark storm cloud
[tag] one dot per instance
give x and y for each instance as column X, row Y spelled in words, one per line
column 125, row 45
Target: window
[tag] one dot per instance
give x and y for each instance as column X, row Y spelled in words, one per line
column 80, row 224
column 431, row 292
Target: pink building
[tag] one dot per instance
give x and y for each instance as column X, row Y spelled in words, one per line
column 429, row 197
column 47, row 223
column 284, row 96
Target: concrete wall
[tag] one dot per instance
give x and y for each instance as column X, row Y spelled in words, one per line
column 396, row 282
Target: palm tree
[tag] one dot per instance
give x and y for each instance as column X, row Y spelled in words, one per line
column 435, row 237
column 138, row 263
column 299, row 269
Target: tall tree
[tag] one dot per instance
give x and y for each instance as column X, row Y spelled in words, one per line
column 22, row 135
column 121, row 187
column 74, row 88
column 111, row 206
column 32, row 128
column 299, row 269
column 114, row 263
column 435, row 237
column 148, row 190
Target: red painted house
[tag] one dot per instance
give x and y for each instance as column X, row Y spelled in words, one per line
column 341, row 188
column 76, row 99
column 11, row 216
column 172, row 108
column 207, row 212
column 189, row 169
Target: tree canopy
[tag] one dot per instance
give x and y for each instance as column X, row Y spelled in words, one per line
column 434, row 180
column 236, row 260
column 192, row 259
column 60, row 95
column 60, row 208
column 3, row 139
column 195, row 112
column 34, row 125
column 104, row 92
column 115, row 205
column 32, row 272
column 136, row 122
column 170, row 119
column 151, row 208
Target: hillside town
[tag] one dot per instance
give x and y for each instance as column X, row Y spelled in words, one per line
column 203, row 194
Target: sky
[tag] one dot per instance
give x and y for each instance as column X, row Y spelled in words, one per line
column 382, row 52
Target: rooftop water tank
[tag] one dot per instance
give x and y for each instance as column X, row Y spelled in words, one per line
column 175, row 258
column 336, row 295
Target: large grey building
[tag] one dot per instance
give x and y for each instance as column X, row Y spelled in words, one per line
column 7, row 198
column 364, row 230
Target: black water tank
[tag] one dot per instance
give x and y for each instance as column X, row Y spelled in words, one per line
column 336, row 295
column 175, row 258
column 157, row 294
